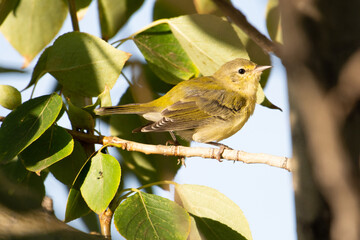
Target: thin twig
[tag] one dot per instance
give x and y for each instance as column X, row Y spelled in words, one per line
column 181, row 151
column 240, row 20
column 74, row 19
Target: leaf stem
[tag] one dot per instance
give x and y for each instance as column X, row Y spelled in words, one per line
column 74, row 19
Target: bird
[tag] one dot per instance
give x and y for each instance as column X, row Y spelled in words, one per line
column 206, row 109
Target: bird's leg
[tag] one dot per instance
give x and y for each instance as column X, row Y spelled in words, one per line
column 222, row 148
column 175, row 142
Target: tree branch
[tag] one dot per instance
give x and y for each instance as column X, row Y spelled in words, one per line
column 240, row 20
column 181, row 151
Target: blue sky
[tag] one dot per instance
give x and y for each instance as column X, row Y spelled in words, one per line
column 264, row 193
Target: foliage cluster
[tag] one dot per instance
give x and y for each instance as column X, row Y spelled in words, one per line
column 190, row 39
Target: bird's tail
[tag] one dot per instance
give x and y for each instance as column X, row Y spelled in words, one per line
column 136, row 108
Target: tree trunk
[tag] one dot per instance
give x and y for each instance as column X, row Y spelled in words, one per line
column 322, row 57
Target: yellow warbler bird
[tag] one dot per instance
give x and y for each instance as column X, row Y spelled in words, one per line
column 205, row 109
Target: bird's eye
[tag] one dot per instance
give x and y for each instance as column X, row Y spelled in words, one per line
column 241, row 71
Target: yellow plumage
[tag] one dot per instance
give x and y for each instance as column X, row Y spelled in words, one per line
column 204, row 109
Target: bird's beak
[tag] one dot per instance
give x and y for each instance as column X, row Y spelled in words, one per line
column 261, row 68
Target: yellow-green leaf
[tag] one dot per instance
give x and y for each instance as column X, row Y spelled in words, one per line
column 208, row 203
column 82, row 63
column 114, row 14
column 101, row 182
column 165, row 55
column 148, row 216
column 207, row 7
column 27, row 123
column 67, row 169
column 172, row 8
column 33, row 25
column 273, row 19
column 55, row 144
column 209, row 41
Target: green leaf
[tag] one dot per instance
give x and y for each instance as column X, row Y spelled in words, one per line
column 105, row 98
column 10, row 70
column 76, row 206
column 14, row 170
column 67, row 169
column 205, row 202
column 114, row 14
column 24, row 184
column 101, row 182
column 267, row 103
column 273, row 23
column 10, row 97
column 54, row 145
column 81, row 8
column 208, row 7
column 85, row 64
column 147, row 216
column 33, row 25
column 6, row 6
column 148, row 168
column 165, row 55
column 39, row 69
column 211, row 229
column 27, row 123
column 209, row 41
column 172, row 8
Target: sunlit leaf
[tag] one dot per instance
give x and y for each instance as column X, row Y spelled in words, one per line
column 273, row 20
column 148, row 216
column 206, row 202
column 33, row 25
column 10, row 97
column 27, row 123
column 81, row 7
column 85, row 64
column 165, row 55
column 101, row 182
column 207, row 7
column 209, row 41
column 6, row 6
column 105, row 98
column 114, row 14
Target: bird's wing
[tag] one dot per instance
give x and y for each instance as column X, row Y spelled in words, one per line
column 179, row 116
column 192, row 112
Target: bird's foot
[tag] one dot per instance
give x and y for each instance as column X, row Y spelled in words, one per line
column 222, row 148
